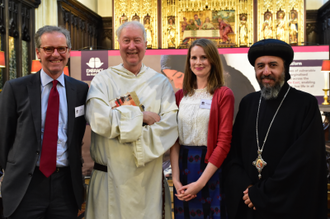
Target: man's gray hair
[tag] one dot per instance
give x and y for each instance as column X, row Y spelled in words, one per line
column 132, row 23
column 51, row 29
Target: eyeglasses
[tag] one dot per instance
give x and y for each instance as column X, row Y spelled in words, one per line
column 50, row 50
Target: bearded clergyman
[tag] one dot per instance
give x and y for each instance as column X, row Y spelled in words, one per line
column 276, row 167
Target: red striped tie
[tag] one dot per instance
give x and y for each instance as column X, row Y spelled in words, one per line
column 49, row 143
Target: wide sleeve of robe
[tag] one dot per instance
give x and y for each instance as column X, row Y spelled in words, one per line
column 124, row 123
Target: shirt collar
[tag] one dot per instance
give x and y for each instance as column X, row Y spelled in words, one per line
column 46, row 79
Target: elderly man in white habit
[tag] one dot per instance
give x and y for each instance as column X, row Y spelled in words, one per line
column 127, row 142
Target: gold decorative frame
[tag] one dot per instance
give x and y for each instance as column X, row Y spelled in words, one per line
column 276, row 7
column 138, row 9
column 185, row 10
column 243, row 26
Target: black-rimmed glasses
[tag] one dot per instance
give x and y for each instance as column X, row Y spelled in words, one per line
column 50, row 50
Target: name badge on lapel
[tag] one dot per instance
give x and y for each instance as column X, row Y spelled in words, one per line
column 205, row 104
column 79, row 111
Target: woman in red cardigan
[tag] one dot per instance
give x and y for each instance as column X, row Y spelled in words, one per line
column 205, row 120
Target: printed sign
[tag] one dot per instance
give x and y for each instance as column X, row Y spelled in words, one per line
column 239, row 75
column 92, row 62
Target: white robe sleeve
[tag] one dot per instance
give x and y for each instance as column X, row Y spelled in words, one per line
column 124, row 123
column 156, row 139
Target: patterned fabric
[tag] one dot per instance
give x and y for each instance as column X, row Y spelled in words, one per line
column 209, row 203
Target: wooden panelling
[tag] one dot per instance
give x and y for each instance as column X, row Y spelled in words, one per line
column 312, row 32
column 106, row 34
column 323, row 24
column 85, row 26
column 17, row 20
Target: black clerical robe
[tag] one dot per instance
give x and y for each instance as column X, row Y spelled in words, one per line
column 293, row 183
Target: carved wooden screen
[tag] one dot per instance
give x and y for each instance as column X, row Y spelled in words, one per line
column 17, row 29
column 324, row 23
column 84, row 25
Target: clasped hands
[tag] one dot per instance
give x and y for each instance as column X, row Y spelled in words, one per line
column 187, row 192
column 246, row 198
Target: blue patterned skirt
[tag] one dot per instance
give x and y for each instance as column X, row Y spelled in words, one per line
column 209, row 203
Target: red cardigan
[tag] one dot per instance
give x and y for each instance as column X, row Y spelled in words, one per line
column 220, row 124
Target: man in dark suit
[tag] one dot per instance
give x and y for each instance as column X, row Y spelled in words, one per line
column 41, row 133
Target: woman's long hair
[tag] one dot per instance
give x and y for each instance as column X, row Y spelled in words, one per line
column 215, row 79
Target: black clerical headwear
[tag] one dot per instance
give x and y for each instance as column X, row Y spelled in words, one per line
column 272, row 47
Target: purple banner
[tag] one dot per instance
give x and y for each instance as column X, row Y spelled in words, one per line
column 92, row 62
column 306, row 63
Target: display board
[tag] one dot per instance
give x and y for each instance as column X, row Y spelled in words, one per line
column 239, row 75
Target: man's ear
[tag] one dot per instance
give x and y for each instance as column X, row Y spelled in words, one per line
column 38, row 53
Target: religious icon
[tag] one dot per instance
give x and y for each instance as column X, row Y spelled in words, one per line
column 259, row 163
column 293, row 27
column 136, row 18
column 198, row 21
column 171, row 31
column 148, row 29
column 243, row 30
column 220, row 25
column 207, row 24
column 225, row 29
column 267, row 26
column 191, row 25
column 123, row 19
column 184, row 25
column 280, row 26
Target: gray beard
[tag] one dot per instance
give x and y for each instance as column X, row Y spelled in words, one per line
column 269, row 92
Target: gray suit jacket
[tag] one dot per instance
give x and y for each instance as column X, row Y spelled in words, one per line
column 20, row 136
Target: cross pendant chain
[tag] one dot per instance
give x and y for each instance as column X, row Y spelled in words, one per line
column 259, row 163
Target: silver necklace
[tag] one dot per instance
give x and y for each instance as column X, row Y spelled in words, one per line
column 259, row 162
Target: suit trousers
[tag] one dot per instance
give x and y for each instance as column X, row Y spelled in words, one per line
column 48, row 198
column 1, row 209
